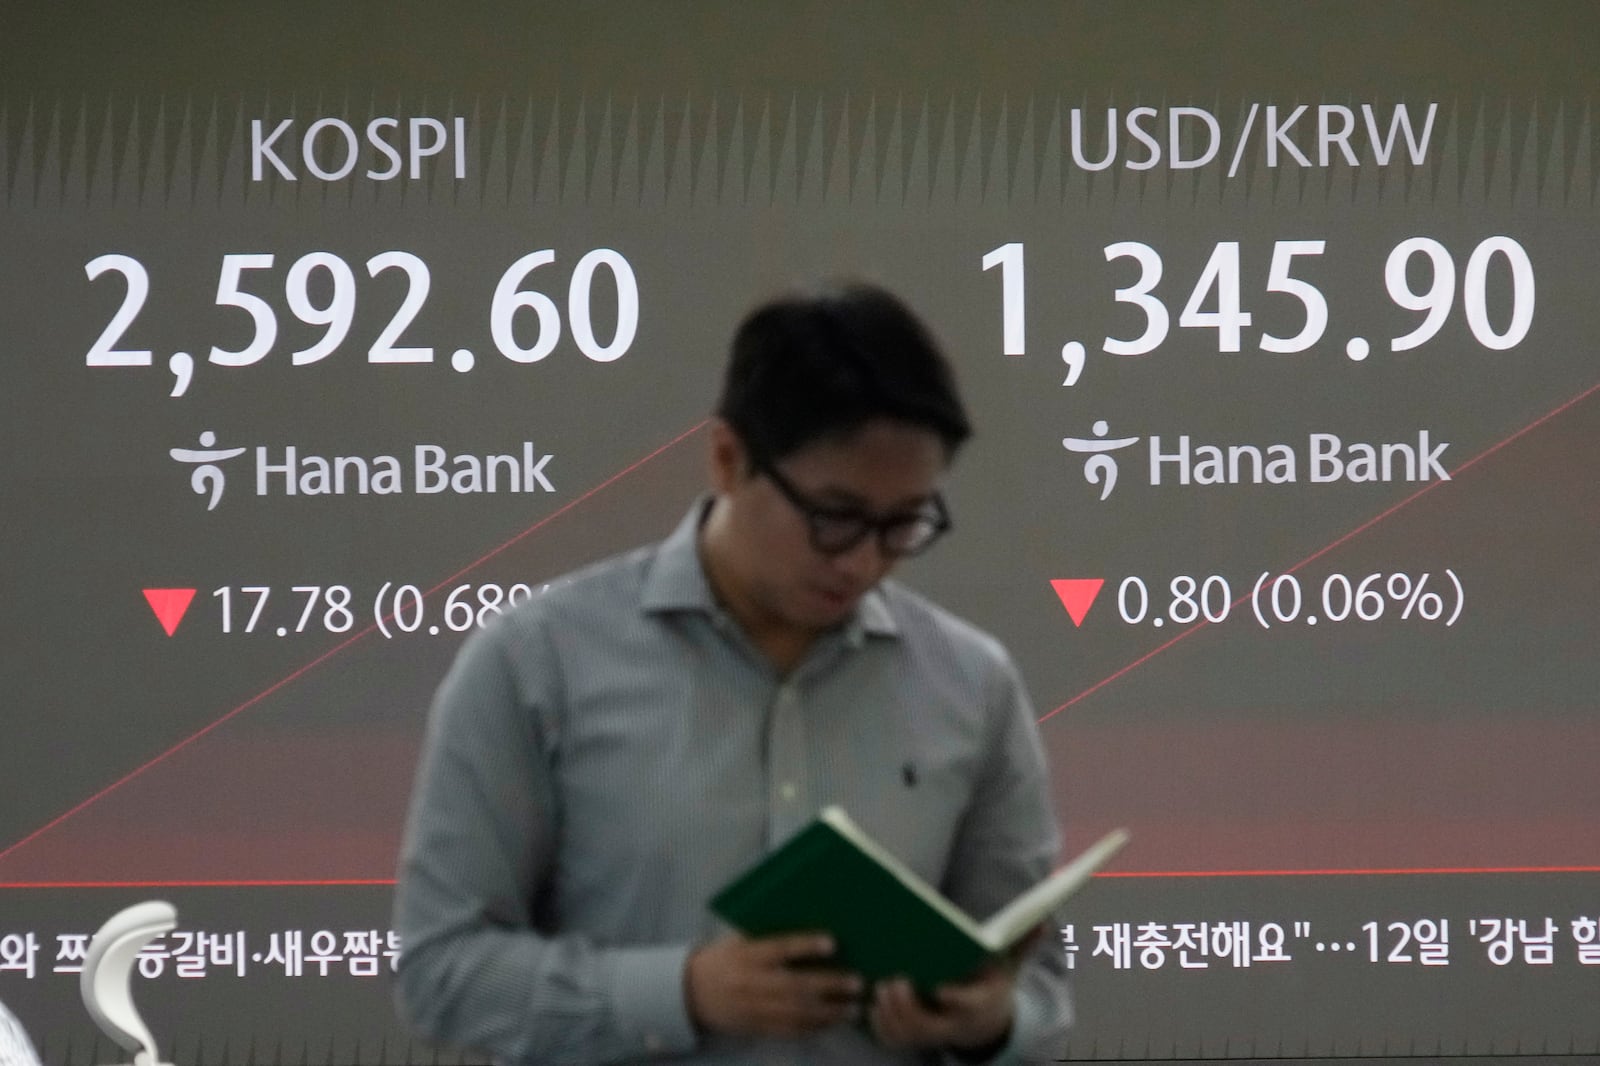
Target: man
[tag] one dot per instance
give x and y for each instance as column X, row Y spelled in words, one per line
column 609, row 754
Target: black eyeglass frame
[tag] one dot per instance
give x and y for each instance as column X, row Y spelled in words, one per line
column 816, row 514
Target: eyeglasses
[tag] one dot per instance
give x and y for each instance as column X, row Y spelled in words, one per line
column 836, row 530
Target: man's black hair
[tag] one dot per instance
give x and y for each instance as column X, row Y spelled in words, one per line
column 813, row 366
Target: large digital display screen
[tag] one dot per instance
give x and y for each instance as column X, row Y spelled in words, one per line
column 328, row 332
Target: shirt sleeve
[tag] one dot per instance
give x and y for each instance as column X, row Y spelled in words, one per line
column 478, row 969
column 1007, row 842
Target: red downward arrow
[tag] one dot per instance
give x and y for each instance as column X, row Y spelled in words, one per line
column 1077, row 594
column 169, row 606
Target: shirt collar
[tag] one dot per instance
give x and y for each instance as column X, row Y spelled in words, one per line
column 677, row 582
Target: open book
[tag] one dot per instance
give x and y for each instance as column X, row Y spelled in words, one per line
column 885, row 920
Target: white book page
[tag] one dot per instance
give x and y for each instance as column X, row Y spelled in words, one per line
column 1013, row 921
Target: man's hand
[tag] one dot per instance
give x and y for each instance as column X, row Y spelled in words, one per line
column 969, row 1016
column 753, row 987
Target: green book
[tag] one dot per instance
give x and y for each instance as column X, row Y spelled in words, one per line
column 885, row 920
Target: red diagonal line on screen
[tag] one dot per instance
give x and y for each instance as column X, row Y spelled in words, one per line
column 1320, row 552
column 1396, row 871
column 1135, row 664
column 337, row 882
column 347, row 642
column 388, row 882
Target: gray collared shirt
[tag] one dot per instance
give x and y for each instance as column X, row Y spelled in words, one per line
column 606, row 756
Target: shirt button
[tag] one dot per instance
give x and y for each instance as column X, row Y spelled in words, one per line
column 788, row 791
column 652, row 1042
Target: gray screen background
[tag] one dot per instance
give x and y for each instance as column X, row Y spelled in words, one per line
column 1318, row 777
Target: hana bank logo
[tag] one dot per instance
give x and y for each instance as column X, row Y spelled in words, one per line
column 1185, row 461
column 422, row 470
column 1101, row 466
column 207, row 478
